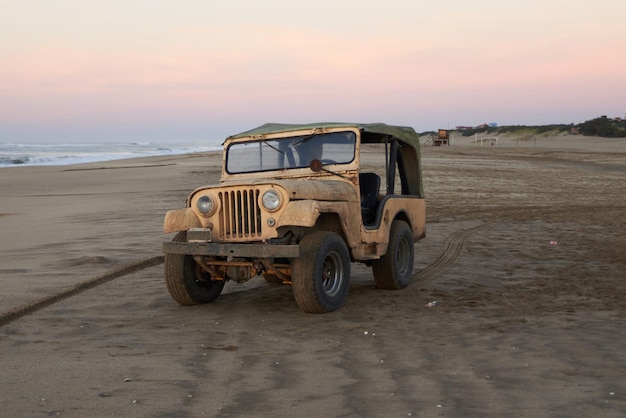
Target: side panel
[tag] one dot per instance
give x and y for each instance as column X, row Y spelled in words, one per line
column 375, row 240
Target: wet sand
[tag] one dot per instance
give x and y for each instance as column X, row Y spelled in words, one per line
column 524, row 256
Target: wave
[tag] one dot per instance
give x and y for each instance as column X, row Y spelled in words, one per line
column 19, row 155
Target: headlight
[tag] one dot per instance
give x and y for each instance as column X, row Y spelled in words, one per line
column 205, row 205
column 271, row 200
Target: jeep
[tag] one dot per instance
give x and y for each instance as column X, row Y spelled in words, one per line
column 298, row 204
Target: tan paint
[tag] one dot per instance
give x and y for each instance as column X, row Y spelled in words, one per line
column 305, row 195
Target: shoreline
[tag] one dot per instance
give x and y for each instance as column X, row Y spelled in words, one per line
column 560, row 141
column 35, row 155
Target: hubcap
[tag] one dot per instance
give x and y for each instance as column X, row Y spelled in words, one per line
column 403, row 256
column 332, row 274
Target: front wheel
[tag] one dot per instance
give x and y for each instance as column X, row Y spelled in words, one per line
column 186, row 281
column 321, row 275
column 395, row 269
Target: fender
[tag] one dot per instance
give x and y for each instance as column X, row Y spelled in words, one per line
column 300, row 213
column 180, row 220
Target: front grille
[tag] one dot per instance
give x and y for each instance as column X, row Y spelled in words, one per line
column 240, row 216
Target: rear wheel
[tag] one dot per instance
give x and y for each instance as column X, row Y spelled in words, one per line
column 395, row 269
column 321, row 275
column 186, row 281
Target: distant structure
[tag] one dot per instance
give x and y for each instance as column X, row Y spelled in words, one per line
column 443, row 138
column 482, row 125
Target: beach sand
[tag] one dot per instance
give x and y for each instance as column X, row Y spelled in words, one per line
column 524, row 256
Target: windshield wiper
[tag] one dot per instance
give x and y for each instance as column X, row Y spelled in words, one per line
column 273, row 147
column 304, row 139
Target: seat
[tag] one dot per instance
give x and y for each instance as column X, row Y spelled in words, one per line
column 369, row 185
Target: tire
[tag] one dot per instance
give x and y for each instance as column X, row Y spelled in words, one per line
column 187, row 283
column 321, row 275
column 394, row 270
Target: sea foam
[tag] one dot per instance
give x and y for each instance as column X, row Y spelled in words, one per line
column 16, row 155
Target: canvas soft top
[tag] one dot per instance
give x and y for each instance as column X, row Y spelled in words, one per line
column 370, row 133
column 403, row 133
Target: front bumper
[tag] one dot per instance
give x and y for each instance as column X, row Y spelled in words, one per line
column 232, row 250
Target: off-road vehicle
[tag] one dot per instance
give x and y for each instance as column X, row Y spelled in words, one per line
column 297, row 204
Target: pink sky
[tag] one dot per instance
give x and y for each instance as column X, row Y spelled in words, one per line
column 126, row 70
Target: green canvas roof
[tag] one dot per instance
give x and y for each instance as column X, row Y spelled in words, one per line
column 371, row 132
column 404, row 133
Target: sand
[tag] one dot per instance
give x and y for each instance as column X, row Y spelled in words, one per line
column 524, row 257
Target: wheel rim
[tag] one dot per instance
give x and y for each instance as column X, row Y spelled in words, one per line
column 332, row 274
column 403, row 256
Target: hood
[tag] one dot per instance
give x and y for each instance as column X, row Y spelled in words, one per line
column 300, row 189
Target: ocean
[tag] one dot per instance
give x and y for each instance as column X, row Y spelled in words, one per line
column 20, row 155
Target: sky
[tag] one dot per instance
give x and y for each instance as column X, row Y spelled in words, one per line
column 156, row 70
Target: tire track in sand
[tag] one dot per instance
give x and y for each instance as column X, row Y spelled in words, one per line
column 29, row 308
column 449, row 255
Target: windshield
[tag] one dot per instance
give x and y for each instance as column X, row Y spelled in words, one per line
column 291, row 152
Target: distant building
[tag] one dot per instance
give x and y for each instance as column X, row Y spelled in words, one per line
column 482, row 125
column 443, row 138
